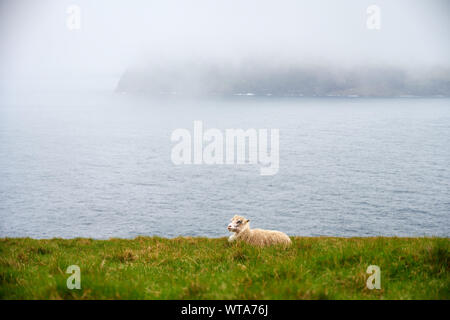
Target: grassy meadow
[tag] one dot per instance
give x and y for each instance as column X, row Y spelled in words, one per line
column 203, row 268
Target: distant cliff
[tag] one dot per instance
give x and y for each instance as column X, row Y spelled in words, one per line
column 266, row 79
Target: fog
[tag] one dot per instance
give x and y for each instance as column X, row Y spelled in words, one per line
column 40, row 53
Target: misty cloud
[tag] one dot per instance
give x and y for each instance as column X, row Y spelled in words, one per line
column 39, row 51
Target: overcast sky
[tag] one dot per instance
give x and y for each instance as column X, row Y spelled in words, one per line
column 37, row 47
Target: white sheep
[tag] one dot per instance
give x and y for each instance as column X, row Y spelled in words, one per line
column 242, row 232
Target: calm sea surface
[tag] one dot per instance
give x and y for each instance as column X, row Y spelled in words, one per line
column 100, row 167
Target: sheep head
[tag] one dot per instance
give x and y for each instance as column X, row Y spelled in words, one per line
column 238, row 224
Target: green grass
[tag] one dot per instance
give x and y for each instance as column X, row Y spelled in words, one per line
column 202, row 268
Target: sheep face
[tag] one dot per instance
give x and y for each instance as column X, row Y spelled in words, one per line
column 238, row 224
